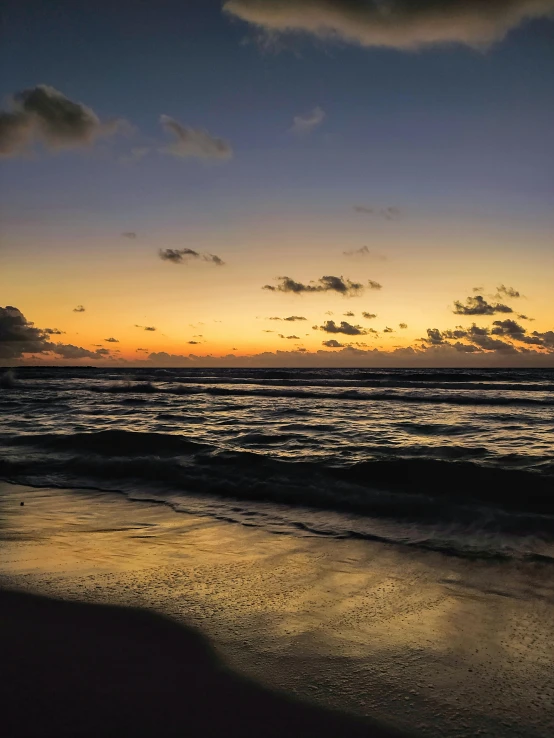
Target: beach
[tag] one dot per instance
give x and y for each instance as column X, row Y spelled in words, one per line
column 419, row 641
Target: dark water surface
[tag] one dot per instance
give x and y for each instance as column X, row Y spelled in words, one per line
column 455, row 460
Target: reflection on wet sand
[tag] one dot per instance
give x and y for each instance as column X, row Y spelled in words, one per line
column 430, row 643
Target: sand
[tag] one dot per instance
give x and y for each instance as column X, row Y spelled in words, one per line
column 423, row 642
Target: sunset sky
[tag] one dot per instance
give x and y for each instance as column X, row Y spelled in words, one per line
column 208, row 170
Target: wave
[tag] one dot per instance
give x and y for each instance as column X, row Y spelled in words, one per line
column 347, row 395
column 395, row 485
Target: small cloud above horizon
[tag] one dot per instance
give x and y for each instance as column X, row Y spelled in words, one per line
column 303, row 124
column 180, row 256
column 193, row 143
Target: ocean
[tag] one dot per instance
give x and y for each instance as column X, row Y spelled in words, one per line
column 457, row 461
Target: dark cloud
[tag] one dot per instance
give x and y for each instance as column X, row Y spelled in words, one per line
column 503, row 291
column 508, row 328
column 479, row 306
column 43, row 114
column 308, row 122
column 466, row 348
column 79, row 309
column 265, row 331
column 142, row 349
column 390, row 213
column 546, row 338
column 398, row 24
column 332, row 343
column 294, row 318
column 53, row 332
column 213, row 259
column 289, row 337
column 164, row 359
column 369, row 316
column 191, row 142
column 434, row 337
column 365, row 252
column 349, row 330
column 493, row 344
column 374, row 285
column 131, row 235
column 145, row 327
column 180, row 256
column 323, row 284
column 525, row 317
column 388, row 330
column 349, row 314
column 18, row 337
column 111, row 340
column 194, row 343
column 478, row 289
column 402, row 325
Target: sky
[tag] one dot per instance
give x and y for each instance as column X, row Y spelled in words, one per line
column 277, row 183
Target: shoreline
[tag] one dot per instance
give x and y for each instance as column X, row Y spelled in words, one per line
column 421, row 642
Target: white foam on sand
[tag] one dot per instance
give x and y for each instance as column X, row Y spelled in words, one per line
column 439, row 645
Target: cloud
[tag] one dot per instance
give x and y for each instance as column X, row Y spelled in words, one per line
column 142, row 349
column 79, row 309
column 349, row 314
column 194, row 343
column 307, row 123
column 402, row 325
column 369, row 316
column 294, row 318
column 349, row 330
column 145, row 327
column 479, row 306
column 434, row 337
column 111, row 340
column 323, row 284
column 191, row 142
column 508, row 328
column 43, row 114
column 374, row 285
column 399, row 24
column 388, row 330
column 131, row 235
column 53, row 331
column 165, row 359
column 364, row 251
column 18, row 336
column 289, row 337
column 389, row 213
column 180, row 256
column 525, row 317
column 332, row 343
column 69, row 351
column 503, row 291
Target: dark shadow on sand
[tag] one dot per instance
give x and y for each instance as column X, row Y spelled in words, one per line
column 71, row 669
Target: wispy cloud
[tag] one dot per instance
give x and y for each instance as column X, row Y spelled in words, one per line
column 388, row 213
column 308, row 122
column 79, row 309
column 193, row 142
column 180, row 256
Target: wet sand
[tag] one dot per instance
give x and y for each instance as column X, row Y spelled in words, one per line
column 430, row 644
